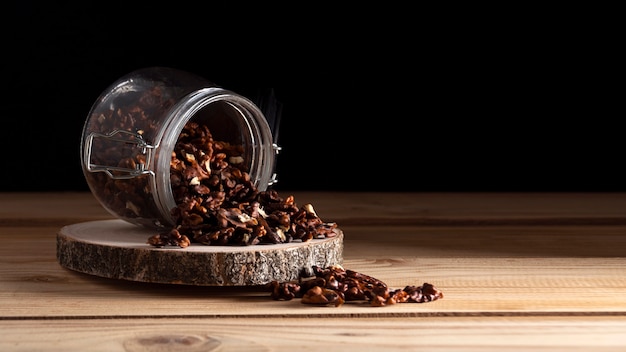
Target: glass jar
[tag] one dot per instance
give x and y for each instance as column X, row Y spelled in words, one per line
column 128, row 139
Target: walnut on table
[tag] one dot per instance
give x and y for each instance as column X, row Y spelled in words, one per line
column 335, row 285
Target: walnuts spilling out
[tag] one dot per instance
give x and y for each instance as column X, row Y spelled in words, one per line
column 218, row 204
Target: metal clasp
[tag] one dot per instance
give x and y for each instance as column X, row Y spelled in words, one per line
column 277, row 150
column 123, row 142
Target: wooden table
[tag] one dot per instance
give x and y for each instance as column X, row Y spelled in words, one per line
column 545, row 271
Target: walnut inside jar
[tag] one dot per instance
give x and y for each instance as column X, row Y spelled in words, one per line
column 218, row 204
column 122, row 121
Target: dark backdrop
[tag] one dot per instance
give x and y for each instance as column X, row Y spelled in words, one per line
column 382, row 100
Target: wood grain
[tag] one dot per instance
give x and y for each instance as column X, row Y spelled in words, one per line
column 518, row 271
column 370, row 209
column 475, row 280
column 117, row 249
column 305, row 334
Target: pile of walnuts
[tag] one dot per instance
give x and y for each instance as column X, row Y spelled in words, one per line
column 335, row 285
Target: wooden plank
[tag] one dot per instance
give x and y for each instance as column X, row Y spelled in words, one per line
column 474, row 279
column 498, row 334
column 49, row 209
column 518, row 271
column 391, row 209
column 354, row 208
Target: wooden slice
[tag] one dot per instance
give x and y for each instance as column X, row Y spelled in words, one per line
column 117, row 249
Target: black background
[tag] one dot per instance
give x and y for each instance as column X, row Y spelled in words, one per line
column 373, row 99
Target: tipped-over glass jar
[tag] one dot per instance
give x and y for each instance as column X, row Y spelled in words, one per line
column 133, row 138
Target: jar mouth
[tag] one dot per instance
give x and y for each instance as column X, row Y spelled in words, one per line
column 230, row 118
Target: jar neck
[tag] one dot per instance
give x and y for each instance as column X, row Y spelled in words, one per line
column 231, row 118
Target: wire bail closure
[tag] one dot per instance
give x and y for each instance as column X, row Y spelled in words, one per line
column 134, row 141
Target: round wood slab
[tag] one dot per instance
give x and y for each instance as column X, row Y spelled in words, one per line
column 117, row 249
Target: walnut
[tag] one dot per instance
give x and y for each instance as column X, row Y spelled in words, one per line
column 335, row 285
